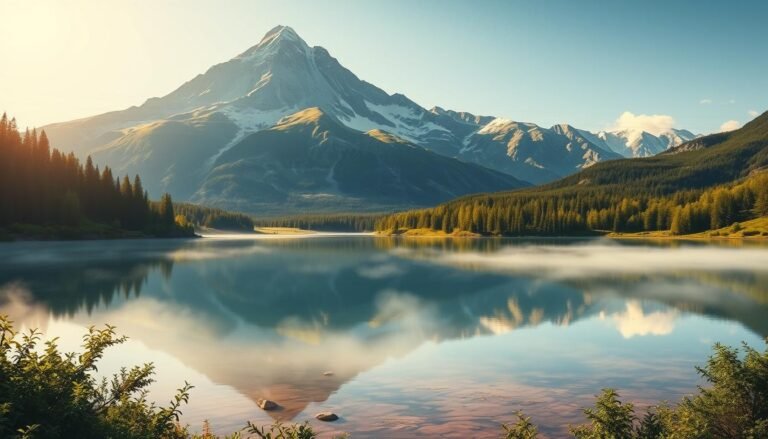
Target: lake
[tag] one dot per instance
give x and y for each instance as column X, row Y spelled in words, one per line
column 399, row 337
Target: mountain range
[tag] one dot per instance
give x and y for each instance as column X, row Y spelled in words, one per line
column 284, row 127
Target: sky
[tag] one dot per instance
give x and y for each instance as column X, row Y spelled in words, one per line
column 700, row 65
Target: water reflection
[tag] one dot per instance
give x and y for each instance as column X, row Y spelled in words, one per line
column 270, row 317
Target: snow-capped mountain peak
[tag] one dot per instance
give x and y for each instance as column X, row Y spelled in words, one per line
column 273, row 41
column 210, row 115
column 639, row 143
column 278, row 32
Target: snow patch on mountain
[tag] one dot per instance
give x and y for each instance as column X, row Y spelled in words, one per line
column 639, row 143
column 405, row 122
column 247, row 120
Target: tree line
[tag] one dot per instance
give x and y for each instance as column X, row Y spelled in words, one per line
column 201, row 216
column 336, row 222
column 586, row 210
column 41, row 186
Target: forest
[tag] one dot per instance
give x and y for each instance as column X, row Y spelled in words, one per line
column 47, row 194
column 719, row 182
column 210, row 217
column 589, row 210
column 333, row 222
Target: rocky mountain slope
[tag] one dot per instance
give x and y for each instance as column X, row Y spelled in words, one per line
column 177, row 142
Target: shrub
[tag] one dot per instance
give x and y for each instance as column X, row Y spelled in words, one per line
column 522, row 429
column 54, row 395
column 608, row 419
column 281, row 431
column 735, row 405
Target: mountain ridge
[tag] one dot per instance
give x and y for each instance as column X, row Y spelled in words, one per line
column 309, row 160
column 185, row 132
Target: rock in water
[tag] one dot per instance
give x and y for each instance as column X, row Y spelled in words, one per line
column 328, row 373
column 326, row 416
column 266, row 404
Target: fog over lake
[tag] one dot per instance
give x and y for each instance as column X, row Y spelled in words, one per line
column 400, row 337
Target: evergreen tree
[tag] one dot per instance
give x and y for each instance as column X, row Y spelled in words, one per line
column 41, row 186
column 166, row 210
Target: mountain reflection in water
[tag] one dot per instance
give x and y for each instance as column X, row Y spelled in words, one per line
column 397, row 321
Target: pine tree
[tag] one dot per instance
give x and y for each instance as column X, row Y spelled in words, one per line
column 166, row 210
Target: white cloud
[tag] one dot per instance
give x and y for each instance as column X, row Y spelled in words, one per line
column 705, row 101
column 753, row 113
column 652, row 123
column 380, row 271
column 730, row 125
column 634, row 321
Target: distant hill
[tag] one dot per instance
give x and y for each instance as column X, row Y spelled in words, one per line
column 700, row 163
column 707, row 187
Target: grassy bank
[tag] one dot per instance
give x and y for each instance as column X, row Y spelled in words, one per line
column 756, row 229
column 429, row 233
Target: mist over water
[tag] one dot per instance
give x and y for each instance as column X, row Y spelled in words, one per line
column 439, row 337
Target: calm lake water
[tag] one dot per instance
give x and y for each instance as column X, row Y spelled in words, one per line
column 423, row 338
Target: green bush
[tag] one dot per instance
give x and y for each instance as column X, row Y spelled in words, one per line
column 522, row 429
column 734, row 405
column 49, row 394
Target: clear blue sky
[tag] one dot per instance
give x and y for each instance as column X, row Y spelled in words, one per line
column 584, row 62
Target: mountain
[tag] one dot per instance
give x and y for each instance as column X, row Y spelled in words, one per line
column 176, row 141
column 526, row 150
column 700, row 163
column 639, row 143
column 310, row 161
column 721, row 181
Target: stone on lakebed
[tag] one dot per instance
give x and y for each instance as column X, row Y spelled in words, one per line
column 266, row 404
column 326, row 416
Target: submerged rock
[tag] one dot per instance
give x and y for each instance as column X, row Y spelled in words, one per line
column 328, row 373
column 326, row 416
column 266, row 404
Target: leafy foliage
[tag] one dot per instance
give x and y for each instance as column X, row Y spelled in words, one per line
column 522, row 429
column 733, row 405
column 282, row 431
column 46, row 393
column 608, row 419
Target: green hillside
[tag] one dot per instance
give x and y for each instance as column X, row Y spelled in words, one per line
column 723, row 157
column 715, row 184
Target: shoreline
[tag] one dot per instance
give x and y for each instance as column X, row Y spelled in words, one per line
column 611, row 235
